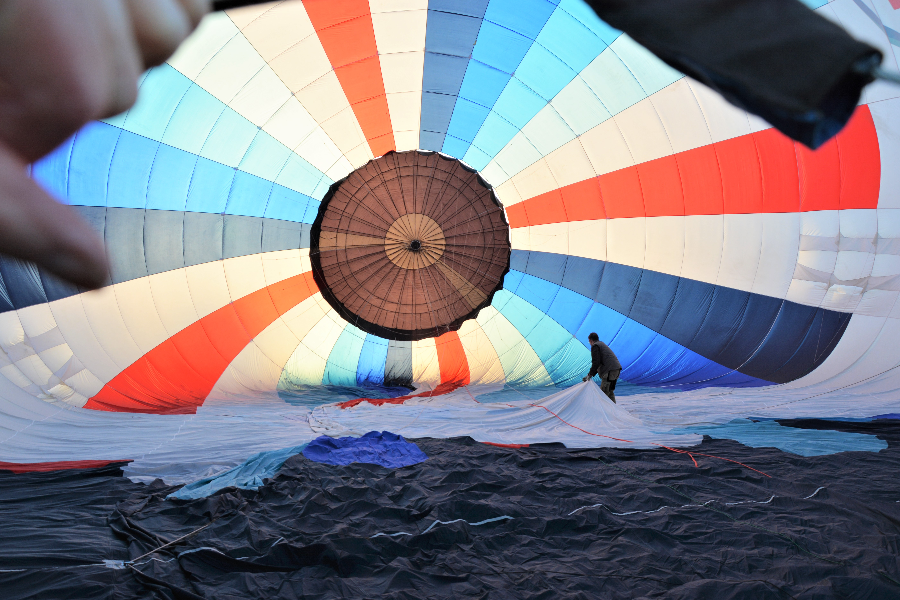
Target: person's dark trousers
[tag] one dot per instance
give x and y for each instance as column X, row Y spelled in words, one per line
column 608, row 383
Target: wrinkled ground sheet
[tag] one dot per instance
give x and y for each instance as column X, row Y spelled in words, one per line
column 713, row 531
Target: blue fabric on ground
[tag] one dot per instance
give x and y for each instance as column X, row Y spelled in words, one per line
column 248, row 475
column 381, row 448
column 804, row 442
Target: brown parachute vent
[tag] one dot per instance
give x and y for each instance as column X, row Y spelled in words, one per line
column 410, row 245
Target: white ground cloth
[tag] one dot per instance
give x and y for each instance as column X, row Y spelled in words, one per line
column 176, row 448
column 224, row 432
column 579, row 417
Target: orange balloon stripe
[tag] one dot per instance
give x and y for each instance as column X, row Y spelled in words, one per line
column 177, row 375
column 452, row 360
column 763, row 172
column 345, row 30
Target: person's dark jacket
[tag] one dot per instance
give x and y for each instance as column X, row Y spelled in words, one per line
column 603, row 360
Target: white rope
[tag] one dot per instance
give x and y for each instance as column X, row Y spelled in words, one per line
column 436, row 523
column 647, row 512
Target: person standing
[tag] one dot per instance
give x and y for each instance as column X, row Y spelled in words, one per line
column 605, row 364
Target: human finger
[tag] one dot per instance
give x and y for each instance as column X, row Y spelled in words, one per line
column 161, row 25
column 196, row 10
column 35, row 227
column 62, row 64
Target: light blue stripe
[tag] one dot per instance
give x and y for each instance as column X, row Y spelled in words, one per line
column 92, row 153
column 171, row 179
column 53, row 170
column 548, row 338
column 159, row 96
column 196, row 116
column 344, row 358
column 174, row 110
column 509, row 30
column 372, row 359
column 106, row 166
column 566, row 44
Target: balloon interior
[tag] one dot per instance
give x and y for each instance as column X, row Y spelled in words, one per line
column 332, row 218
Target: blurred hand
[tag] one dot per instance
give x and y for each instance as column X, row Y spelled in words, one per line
column 584, row 379
column 64, row 63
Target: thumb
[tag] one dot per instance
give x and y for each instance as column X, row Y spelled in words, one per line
column 35, row 227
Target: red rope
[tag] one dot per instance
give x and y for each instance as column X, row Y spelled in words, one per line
column 579, row 428
column 446, row 388
column 655, row 444
column 691, row 454
column 712, row 456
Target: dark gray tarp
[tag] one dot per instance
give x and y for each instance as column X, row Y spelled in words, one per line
column 477, row 521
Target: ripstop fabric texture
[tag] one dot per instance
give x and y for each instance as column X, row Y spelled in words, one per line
column 375, row 447
column 707, row 249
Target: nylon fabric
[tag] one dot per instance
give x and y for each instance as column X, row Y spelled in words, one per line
column 585, row 417
column 722, row 262
column 522, row 174
column 831, row 515
column 249, row 475
column 378, row 448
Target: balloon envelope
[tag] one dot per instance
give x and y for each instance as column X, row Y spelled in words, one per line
column 708, row 250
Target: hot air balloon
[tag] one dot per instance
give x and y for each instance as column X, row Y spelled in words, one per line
column 333, row 217
column 434, row 196
column 617, row 196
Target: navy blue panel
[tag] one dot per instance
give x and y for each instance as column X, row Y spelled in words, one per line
column 51, row 287
column 744, row 321
column 436, row 111
column 471, row 8
column 782, row 339
column 241, row 236
column 654, row 298
column 618, row 287
column 284, row 235
column 55, row 288
column 583, row 276
column 22, row 283
column 822, row 336
column 164, row 232
column 124, row 238
column 6, row 303
column 449, row 40
column 689, row 309
column 443, row 75
column 95, row 217
column 449, row 33
column 141, row 242
column 796, row 328
column 429, row 140
column 202, row 238
column 760, row 336
column 518, row 260
column 549, row 267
